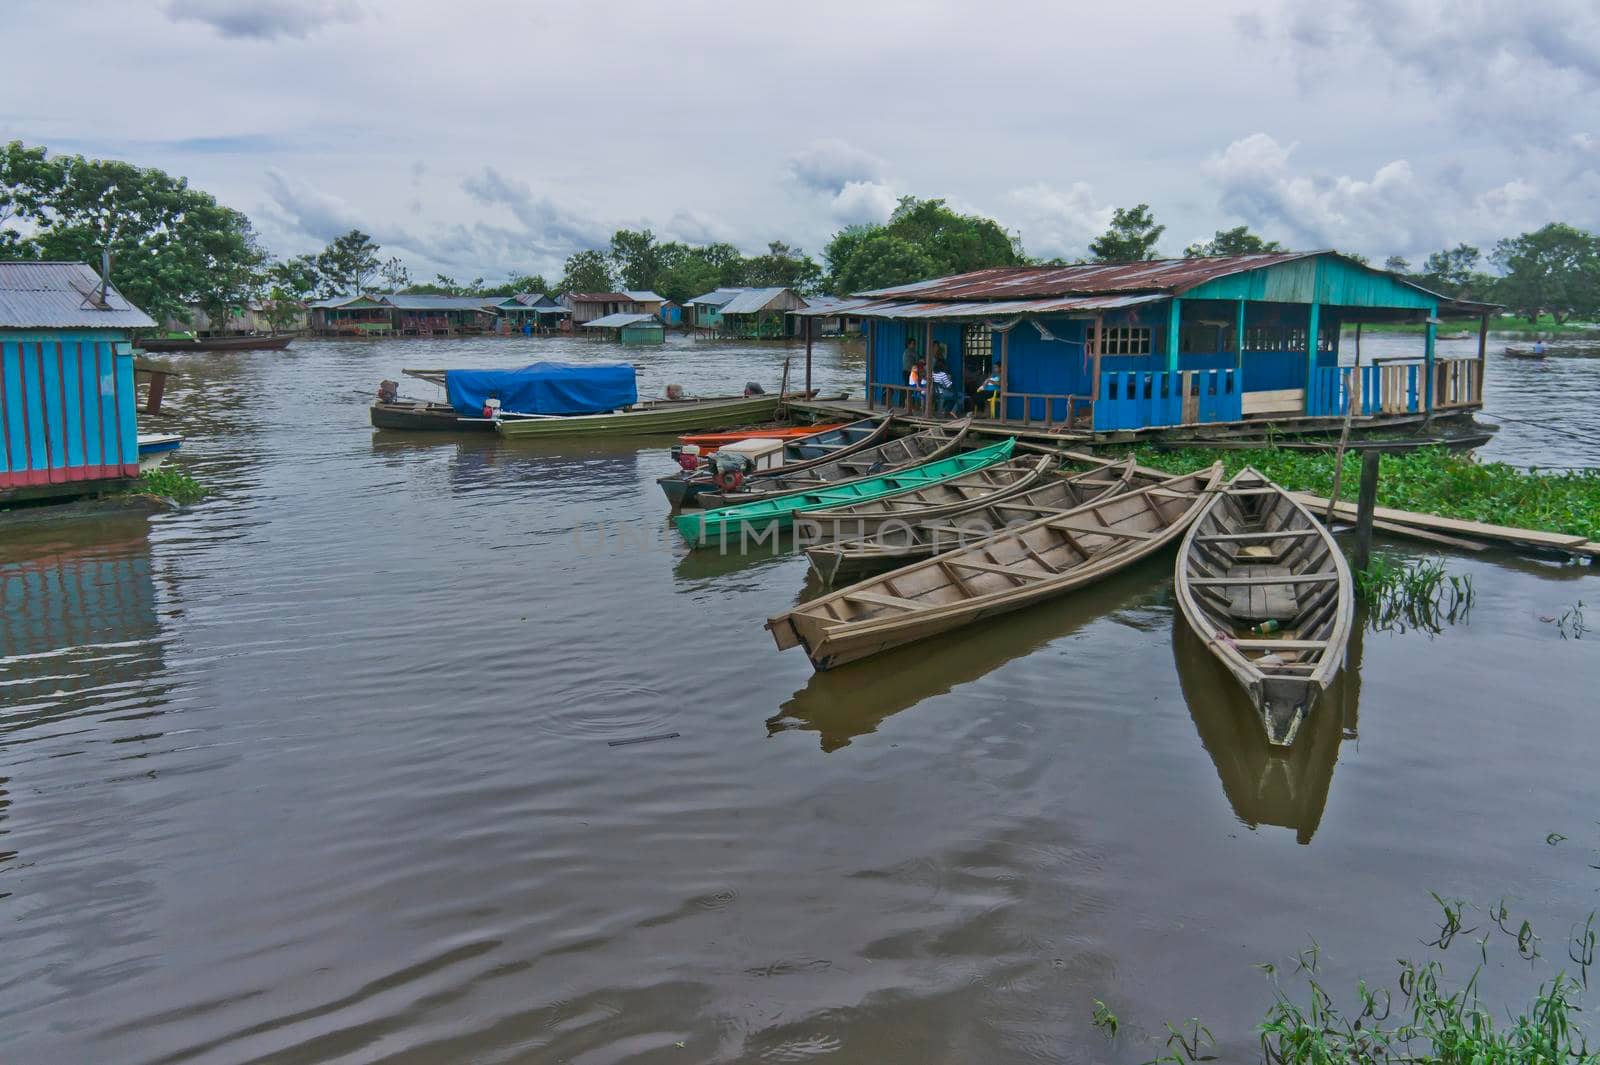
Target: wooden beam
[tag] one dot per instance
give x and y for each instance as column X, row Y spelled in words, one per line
column 1005, row 371
column 810, row 322
column 872, row 332
column 927, row 371
column 1238, row 346
column 1281, row 534
column 1287, row 578
column 1430, row 342
column 1313, row 326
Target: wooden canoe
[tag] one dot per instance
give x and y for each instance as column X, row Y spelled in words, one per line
column 802, row 454
column 954, row 496
column 656, row 417
column 892, row 545
column 1256, row 556
column 247, row 342
column 1525, row 353
column 708, row 443
column 422, row 416
column 731, row 526
column 886, row 457
column 1015, row 568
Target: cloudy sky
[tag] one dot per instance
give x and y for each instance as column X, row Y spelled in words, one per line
column 478, row 137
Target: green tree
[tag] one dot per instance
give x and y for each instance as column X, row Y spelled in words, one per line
column 1554, row 269
column 726, row 260
column 517, row 285
column 637, row 257
column 884, row 259
column 783, row 266
column 171, row 246
column 28, row 180
column 1454, row 272
column 687, row 278
column 296, row 278
column 233, row 264
column 954, row 243
column 587, row 271
column 1133, row 236
column 348, row 265
column 1397, row 264
column 1236, row 241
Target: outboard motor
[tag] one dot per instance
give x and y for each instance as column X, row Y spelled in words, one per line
column 687, row 456
column 388, row 391
column 753, row 388
column 729, row 469
column 674, row 391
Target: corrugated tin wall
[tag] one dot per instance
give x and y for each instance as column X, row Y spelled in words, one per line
column 66, row 410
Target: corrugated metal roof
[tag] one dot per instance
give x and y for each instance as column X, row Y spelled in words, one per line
column 62, row 296
column 439, row 303
column 718, row 297
column 617, row 321
column 600, row 297
column 977, row 309
column 643, row 295
column 341, row 301
column 1167, row 276
column 752, row 300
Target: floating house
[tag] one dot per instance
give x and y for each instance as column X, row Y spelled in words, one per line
column 631, row 329
column 645, row 301
column 587, row 306
column 531, row 312
column 351, row 316
column 705, row 311
column 759, row 313
column 426, row 316
column 822, row 323
column 67, row 403
column 260, row 316
column 1170, row 344
column 670, row 313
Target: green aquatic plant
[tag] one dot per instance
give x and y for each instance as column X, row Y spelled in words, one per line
column 1104, row 1019
column 173, row 484
column 1418, row 594
column 1428, row 480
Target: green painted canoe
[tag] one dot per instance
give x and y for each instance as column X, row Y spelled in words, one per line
column 713, row 526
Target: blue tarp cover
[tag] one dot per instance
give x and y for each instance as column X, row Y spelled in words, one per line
column 544, row 388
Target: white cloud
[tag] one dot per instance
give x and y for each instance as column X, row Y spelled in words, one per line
column 863, row 202
column 830, row 165
column 1059, row 223
column 265, row 19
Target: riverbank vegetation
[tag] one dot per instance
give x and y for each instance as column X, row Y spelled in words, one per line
column 170, row 483
column 1423, row 1016
column 1430, row 480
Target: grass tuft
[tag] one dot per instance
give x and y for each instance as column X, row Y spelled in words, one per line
column 171, row 483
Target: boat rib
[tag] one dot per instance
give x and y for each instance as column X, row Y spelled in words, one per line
column 894, row 544
column 1263, row 583
column 1015, row 568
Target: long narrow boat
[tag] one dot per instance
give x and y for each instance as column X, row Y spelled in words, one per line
column 1263, row 583
column 709, row 442
column 1016, row 568
column 887, row 457
column 898, row 545
column 653, row 417
column 727, row 526
column 955, row 496
column 247, row 342
column 813, row 450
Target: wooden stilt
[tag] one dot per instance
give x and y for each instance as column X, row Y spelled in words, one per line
column 809, row 325
column 1351, row 397
column 1366, row 503
column 1005, row 371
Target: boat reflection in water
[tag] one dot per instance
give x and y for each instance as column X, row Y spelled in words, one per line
column 854, row 700
column 1285, row 787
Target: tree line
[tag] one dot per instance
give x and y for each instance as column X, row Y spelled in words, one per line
column 174, row 247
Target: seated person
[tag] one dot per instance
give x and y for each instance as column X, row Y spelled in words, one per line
column 989, row 391
column 945, row 394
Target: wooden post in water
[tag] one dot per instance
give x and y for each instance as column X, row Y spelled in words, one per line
column 1352, row 394
column 809, row 321
column 1483, row 354
column 1366, row 503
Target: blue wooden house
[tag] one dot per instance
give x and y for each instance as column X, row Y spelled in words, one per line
column 67, row 403
column 1109, row 347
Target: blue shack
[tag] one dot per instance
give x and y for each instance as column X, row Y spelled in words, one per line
column 67, row 403
column 1113, row 347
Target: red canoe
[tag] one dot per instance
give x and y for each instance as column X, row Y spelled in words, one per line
column 709, row 442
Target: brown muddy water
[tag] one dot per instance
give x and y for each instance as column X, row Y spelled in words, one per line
column 319, row 770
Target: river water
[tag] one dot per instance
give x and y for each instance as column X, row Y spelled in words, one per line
column 319, row 770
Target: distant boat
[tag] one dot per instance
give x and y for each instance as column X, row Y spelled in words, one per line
column 1525, row 353
column 1263, row 583
column 1463, row 335
column 654, row 417
column 248, row 342
column 156, row 448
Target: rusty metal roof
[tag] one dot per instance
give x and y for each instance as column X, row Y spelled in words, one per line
column 600, row 297
column 976, row 309
column 46, row 295
column 1169, row 277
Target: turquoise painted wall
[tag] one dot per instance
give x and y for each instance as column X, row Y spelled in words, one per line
column 67, row 407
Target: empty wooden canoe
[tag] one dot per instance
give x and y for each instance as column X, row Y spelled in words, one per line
column 885, row 457
column 804, row 453
column 932, row 501
column 1263, row 583
column 1015, row 568
column 891, row 544
column 734, row 526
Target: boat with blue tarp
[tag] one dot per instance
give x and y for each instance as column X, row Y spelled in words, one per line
column 475, row 399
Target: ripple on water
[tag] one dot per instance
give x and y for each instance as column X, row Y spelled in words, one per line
column 602, row 711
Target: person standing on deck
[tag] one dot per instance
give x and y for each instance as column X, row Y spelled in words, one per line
column 916, row 381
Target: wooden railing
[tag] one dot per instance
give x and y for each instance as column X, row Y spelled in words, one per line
column 1137, row 399
column 1395, row 387
column 1041, row 407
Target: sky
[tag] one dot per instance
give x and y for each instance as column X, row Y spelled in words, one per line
column 482, row 138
